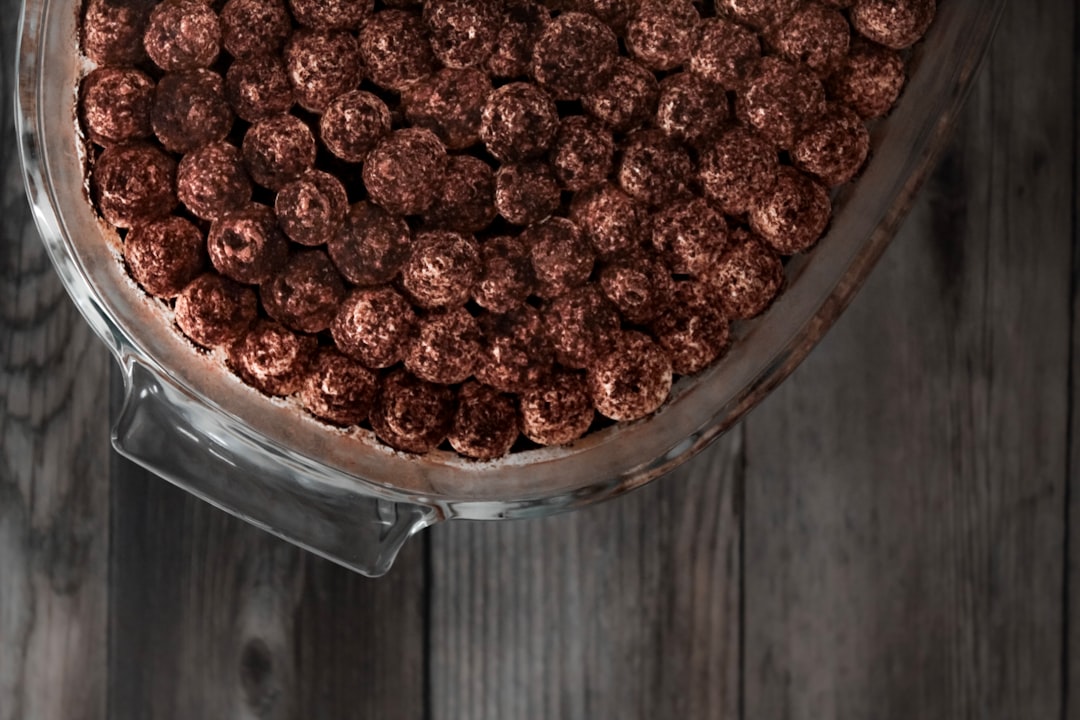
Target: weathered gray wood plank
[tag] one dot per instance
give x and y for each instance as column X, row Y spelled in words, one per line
column 905, row 489
column 1072, row 597
column 629, row 610
column 214, row 618
column 54, row 466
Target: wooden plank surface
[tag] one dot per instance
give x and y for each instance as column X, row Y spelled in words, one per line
column 629, row 610
column 54, row 467
column 905, row 490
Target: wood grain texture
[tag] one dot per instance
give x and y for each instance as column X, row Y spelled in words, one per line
column 629, row 610
column 905, row 489
column 213, row 618
column 1072, row 596
column 54, row 467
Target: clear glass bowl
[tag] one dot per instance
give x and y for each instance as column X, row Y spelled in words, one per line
column 344, row 495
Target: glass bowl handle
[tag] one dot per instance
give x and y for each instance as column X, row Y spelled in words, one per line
column 163, row 429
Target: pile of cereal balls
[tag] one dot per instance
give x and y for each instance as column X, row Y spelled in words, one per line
column 487, row 223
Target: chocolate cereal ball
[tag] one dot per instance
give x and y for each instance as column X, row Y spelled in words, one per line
column 506, row 276
column 190, row 110
column 816, row 35
column 777, row 98
column 896, row 24
column 691, row 110
column 331, row 14
column 759, row 14
column 278, row 150
column 132, row 183
column 446, row 348
column 747, row 278
column 449, row 103
column 690, row 236
column 526, row 193
column 165, row 255
column 561, row 257
column 582, row 153
column 271, row 358
column 112, row 31
column 654, row 170
column 519, row 122
column 373, row 326
column 465, row 201
column 114, row 105
column 523, row 23
column 734, row 169
column 247, row 245
column 485, row 424
column 304, row 295
column 463, row 32
column 582, row 323
column 639, row 285
column 252, row 28
column 612, row 221
column 725, row 53
column 394, row 49
column 661, row 34
column 404, row 171
column 442, row 269
column 182, row 35
column 312, row 209
column 574, row 55
column 632, row 380
column 412, row 415
column 213, row 310
column 627, row 100
column 558, row 411
column 211, row 181
column 321, row 66
column 869, row 80
column 371, row 245
column 517, row 352
column 258, row 87
column 833, row 146
column 794, row 214
column 338, row 389
column 693, row 332
column 353, row 123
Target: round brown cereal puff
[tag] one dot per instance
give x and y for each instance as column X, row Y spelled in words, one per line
column 690, row 236
column 271, row 358
column 112, row 31
column 182, row 35
column 735, row 168
column 442, row 269
column 133, row 183
column 465, row 201
column 832, row 146
column 252, row 28
column 506, row 276
column 523, row 24
column 794, row 214
column 278, row 150
column 627, row 100
column 517, row 352
column 258, row 87
column 463, row 32
column 485, row 424
column 446, row 348
column 526, row 193
column 747, row 278
column 404, row 171
column 632, row 380
column 653, row 169
column 321, row 66
column 305, row 294
column 450, row 104
column 574, row 55
column 558, row 411
column 519, row 122
column 211, row 180
column 661, row 34
column 338, row 389
column 371, row 245
column 561, row 257
column 247, row 245
column 725, row 53
column 165, row 255
column 869, row 80
column 190, row 110
column 114, row 105
column 691, row 109
column 639, row 285
column 582, row 323
column 759, row 14
column 331, row 14
column 394, row 49
column 412, row 415
column 896, row 24
column 373, row 327
column 353, row 123
column 582, row 154
column 816, row 35
column 213, row 310
column 612, row 221
column 777, row 98
column 692, row 331
column 312, row 209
